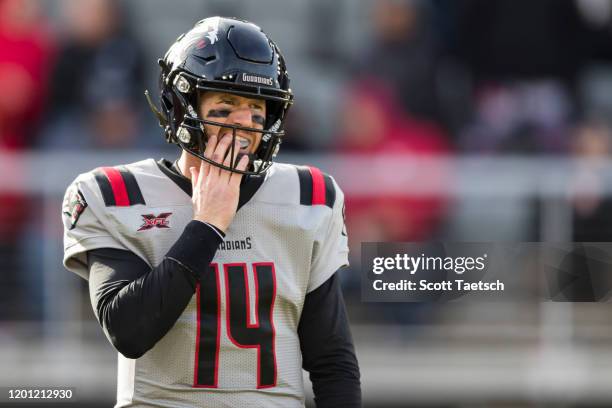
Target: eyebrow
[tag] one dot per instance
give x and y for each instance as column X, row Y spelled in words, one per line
column 222, row 98
column 226, row 97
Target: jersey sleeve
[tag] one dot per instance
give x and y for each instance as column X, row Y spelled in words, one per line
column 330, row 251
column 83, row 230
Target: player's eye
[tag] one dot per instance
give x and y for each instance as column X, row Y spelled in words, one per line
column 218, row 113
column 258, row 119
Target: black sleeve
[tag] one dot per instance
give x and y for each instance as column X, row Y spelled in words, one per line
column 137, row 305
column 327, row 348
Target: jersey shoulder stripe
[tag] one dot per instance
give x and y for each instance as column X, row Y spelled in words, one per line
column 316, row 187
column 118, row 186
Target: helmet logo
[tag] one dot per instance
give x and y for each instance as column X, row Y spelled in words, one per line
column 212, row 30
column 274, row 128
column 212, row 36
column 257, row 79
column 201, row 44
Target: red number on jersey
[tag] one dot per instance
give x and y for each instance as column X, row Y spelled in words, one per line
column 242, row 333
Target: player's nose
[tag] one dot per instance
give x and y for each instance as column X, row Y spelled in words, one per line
column 242, row 117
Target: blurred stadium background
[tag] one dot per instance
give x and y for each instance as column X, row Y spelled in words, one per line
column 458, row 120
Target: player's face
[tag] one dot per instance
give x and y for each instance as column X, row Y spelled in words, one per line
column 234, row 110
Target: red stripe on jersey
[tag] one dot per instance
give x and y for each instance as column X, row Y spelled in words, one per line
column 318, row 186
column 118, row 185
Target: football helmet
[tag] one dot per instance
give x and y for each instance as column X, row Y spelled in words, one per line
column 224, row 55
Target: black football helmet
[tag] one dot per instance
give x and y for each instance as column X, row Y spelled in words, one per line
column 224, row 55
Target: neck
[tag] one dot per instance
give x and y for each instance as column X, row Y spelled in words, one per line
column 186, row 161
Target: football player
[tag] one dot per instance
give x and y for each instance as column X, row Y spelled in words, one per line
column 214, row 276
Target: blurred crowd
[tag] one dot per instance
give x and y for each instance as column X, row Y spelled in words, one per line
column 426, row 78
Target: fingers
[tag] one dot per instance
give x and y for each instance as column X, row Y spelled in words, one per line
column 223, row 152
column 208, row 152
column 194, row 172
column 219, row 154
column 229, row 160
column 204, row 167
column 237, row 177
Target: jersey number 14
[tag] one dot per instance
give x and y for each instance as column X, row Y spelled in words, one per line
column 240, row 330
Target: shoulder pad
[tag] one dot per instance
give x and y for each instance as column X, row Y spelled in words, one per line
column 316, row 187
column 118, row 186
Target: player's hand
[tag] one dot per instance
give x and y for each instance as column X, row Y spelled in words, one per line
column 216, row 191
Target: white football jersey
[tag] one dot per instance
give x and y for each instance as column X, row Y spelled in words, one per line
column 236, row 343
